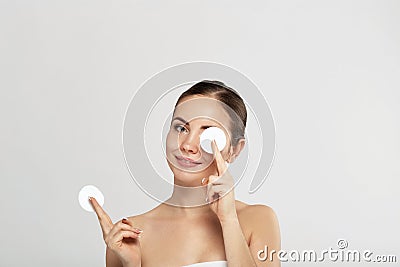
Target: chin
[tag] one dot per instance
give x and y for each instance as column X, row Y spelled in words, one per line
column 187, row 178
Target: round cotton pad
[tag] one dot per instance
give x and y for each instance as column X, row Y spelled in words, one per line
column 208, row 135
column 90, row 191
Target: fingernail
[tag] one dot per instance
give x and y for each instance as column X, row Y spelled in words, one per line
column 139, row 230
column 203, row 180
column 89, row 198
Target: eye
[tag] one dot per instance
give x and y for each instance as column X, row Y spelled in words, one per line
column 180, row 128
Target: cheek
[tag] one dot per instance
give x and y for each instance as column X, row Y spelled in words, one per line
column 208, row 158
column 171, row 142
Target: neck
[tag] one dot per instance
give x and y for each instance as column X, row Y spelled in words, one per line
column 189, row 200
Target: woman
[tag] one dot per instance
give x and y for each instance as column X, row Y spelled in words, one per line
column 205, row 226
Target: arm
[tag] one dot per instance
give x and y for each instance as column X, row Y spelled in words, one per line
column 264, row 232
column 259, row 218
column 236, row 248
column 112, row 260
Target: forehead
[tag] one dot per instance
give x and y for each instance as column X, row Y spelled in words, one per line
column 202, row 108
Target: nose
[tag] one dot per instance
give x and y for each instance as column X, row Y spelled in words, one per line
column 190, row 142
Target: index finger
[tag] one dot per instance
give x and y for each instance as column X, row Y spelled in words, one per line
column 221, row 166
column 104, row 219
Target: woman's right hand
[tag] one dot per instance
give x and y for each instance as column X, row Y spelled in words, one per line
column 121, row 237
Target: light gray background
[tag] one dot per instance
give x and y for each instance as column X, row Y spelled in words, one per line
column 329, row 69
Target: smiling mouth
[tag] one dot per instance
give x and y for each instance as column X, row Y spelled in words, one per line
column 186, row 163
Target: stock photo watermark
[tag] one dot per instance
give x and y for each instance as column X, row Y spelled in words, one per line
column 340, row 253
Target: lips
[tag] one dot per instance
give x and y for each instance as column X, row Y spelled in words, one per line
column 186, row 162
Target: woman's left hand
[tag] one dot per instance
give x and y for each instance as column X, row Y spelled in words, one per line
column 220, row 193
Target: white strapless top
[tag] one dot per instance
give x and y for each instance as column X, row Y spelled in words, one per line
column 209, row 264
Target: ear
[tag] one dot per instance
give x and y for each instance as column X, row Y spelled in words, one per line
column 235, row 150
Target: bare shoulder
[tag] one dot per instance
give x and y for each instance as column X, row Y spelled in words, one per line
column 256, row 214
column 140, row 220
column 254, row 210
column 260, row 225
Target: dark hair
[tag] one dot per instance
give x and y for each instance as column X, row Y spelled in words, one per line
column 234, row 104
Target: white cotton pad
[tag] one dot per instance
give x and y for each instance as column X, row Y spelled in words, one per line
column 90, row 191
column 210, row 134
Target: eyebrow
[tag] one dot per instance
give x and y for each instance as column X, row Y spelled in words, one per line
column 187, row 123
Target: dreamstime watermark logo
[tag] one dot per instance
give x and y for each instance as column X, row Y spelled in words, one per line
column 339, row 254
column 148, row 118
column 342, row 243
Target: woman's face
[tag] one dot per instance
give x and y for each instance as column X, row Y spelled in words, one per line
column 187, row 160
